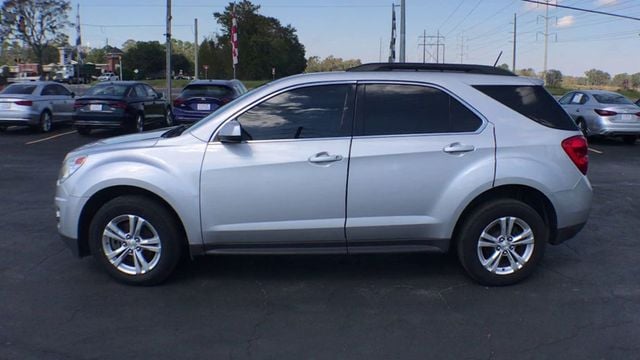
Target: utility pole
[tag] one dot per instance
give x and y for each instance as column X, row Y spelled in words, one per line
column 403, row 21
column 424, row 45
column 513, row 67
column 168, row 50
column 462, row 48
column 437, row 44
column 546, row 39
column 195, row 48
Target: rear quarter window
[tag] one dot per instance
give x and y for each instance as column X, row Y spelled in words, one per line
column 533, row 102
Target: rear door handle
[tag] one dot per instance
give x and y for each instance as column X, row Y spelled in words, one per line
column 324, row 157
column 457, row 148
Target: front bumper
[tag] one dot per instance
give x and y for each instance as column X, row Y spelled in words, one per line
column 68, row 210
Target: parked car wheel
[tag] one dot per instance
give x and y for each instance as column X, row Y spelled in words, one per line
column 3, row 128
column 139, row 125
column 501, row 242
column 136, row 240
column 168, row 117
column 583, row 127
column 45, row 122
column 629, row 139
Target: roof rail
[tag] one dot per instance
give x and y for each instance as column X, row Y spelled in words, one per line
column 466, row 68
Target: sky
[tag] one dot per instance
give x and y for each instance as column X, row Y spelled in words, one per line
column 474, row 31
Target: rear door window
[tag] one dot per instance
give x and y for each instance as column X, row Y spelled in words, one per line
column 533, row 102
column 393, row 109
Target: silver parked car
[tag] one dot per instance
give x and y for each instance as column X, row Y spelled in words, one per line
column 38, row 104
column 369, row 160
column 607, row 113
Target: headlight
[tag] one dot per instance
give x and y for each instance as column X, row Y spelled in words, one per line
column 69, row 166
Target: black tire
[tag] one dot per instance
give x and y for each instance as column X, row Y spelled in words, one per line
column 84, row 131
column 486, row 218
column 158, row 223
column 629, row 139
column 3, row 128
column 46, row 122
column 583, row 127
column 138, row 124
column 168, row 117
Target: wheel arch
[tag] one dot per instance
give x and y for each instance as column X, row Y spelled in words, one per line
column 528, row 195
column 97, row 200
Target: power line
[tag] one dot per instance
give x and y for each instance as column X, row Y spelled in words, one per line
column 580, row 9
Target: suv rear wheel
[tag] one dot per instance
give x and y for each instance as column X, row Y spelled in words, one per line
column 629, row 139
column 136, row 240
column 501, row 242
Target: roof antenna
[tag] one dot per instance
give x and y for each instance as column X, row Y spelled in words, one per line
column 498, row 59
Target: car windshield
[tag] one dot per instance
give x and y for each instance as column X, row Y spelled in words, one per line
column 214, row 91
column 110, row 89
column 19, row 89
column 612, row 99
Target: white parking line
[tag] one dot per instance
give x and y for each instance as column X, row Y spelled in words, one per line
column 596, row 151
column 50, row 137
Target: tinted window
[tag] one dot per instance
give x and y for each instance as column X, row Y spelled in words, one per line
column 565, row 99
column 49, row 90
column 150, row 91
column 141, row 91
column 19, row 89
column 214, row 91
column 411, row 109
column 61, row 90
column 533, row 102
column 311, row 112
column 108, row 89
column 612, row 99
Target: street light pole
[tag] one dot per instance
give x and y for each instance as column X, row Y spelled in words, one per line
column 168, row 50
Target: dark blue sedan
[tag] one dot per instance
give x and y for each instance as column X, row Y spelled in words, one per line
column 202, row 97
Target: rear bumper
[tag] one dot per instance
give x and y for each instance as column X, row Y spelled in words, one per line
column 102, row 121
column 566, row 233
column 610, row 128
column 182, row 116
column 22, row 119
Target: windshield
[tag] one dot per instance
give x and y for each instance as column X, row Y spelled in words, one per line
column 612, row 99
column 19, row 89
column 214, row 91
column 108, row 89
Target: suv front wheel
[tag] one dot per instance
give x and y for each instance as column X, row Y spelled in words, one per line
column 136, row 240
column 501, row 242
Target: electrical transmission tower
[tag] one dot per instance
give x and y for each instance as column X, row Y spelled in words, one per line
column 439, row 41
column 546, row 35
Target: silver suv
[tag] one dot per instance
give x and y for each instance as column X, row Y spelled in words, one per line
column 381, row 158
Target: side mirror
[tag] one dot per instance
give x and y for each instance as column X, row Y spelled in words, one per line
column 73, row 94
column 231, row 132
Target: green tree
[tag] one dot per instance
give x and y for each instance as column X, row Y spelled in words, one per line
column 212, row 54
column 96, row 56
column 128, row 45
column 148, row 57
column 38, row 23
column 635, row 80
column 330, row 63
column 179, row 62
column 264, row 43
column 553, row 78
column 621, row 80
column 597, row 77
column 527, row 72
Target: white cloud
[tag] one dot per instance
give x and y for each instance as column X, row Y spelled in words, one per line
column 566, row 21
column 606, row 2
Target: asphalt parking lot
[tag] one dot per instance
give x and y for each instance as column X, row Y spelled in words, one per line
column 583, row 303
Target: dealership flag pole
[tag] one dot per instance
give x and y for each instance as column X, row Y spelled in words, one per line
column 234, row 39
column 78, row 42
column 392, row 42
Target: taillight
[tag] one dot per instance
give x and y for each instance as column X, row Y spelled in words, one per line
column 24, row 102
column 178, row 102
column 605, row 112
column 78, row 105
column 638, row 114
column 225, row 101
column 118, row 105
column 578, row 150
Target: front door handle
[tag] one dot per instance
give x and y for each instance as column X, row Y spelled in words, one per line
column 324, row 157
column 457, row 148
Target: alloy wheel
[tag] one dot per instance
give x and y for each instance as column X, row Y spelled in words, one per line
column 131, row 244
column 505, row 245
